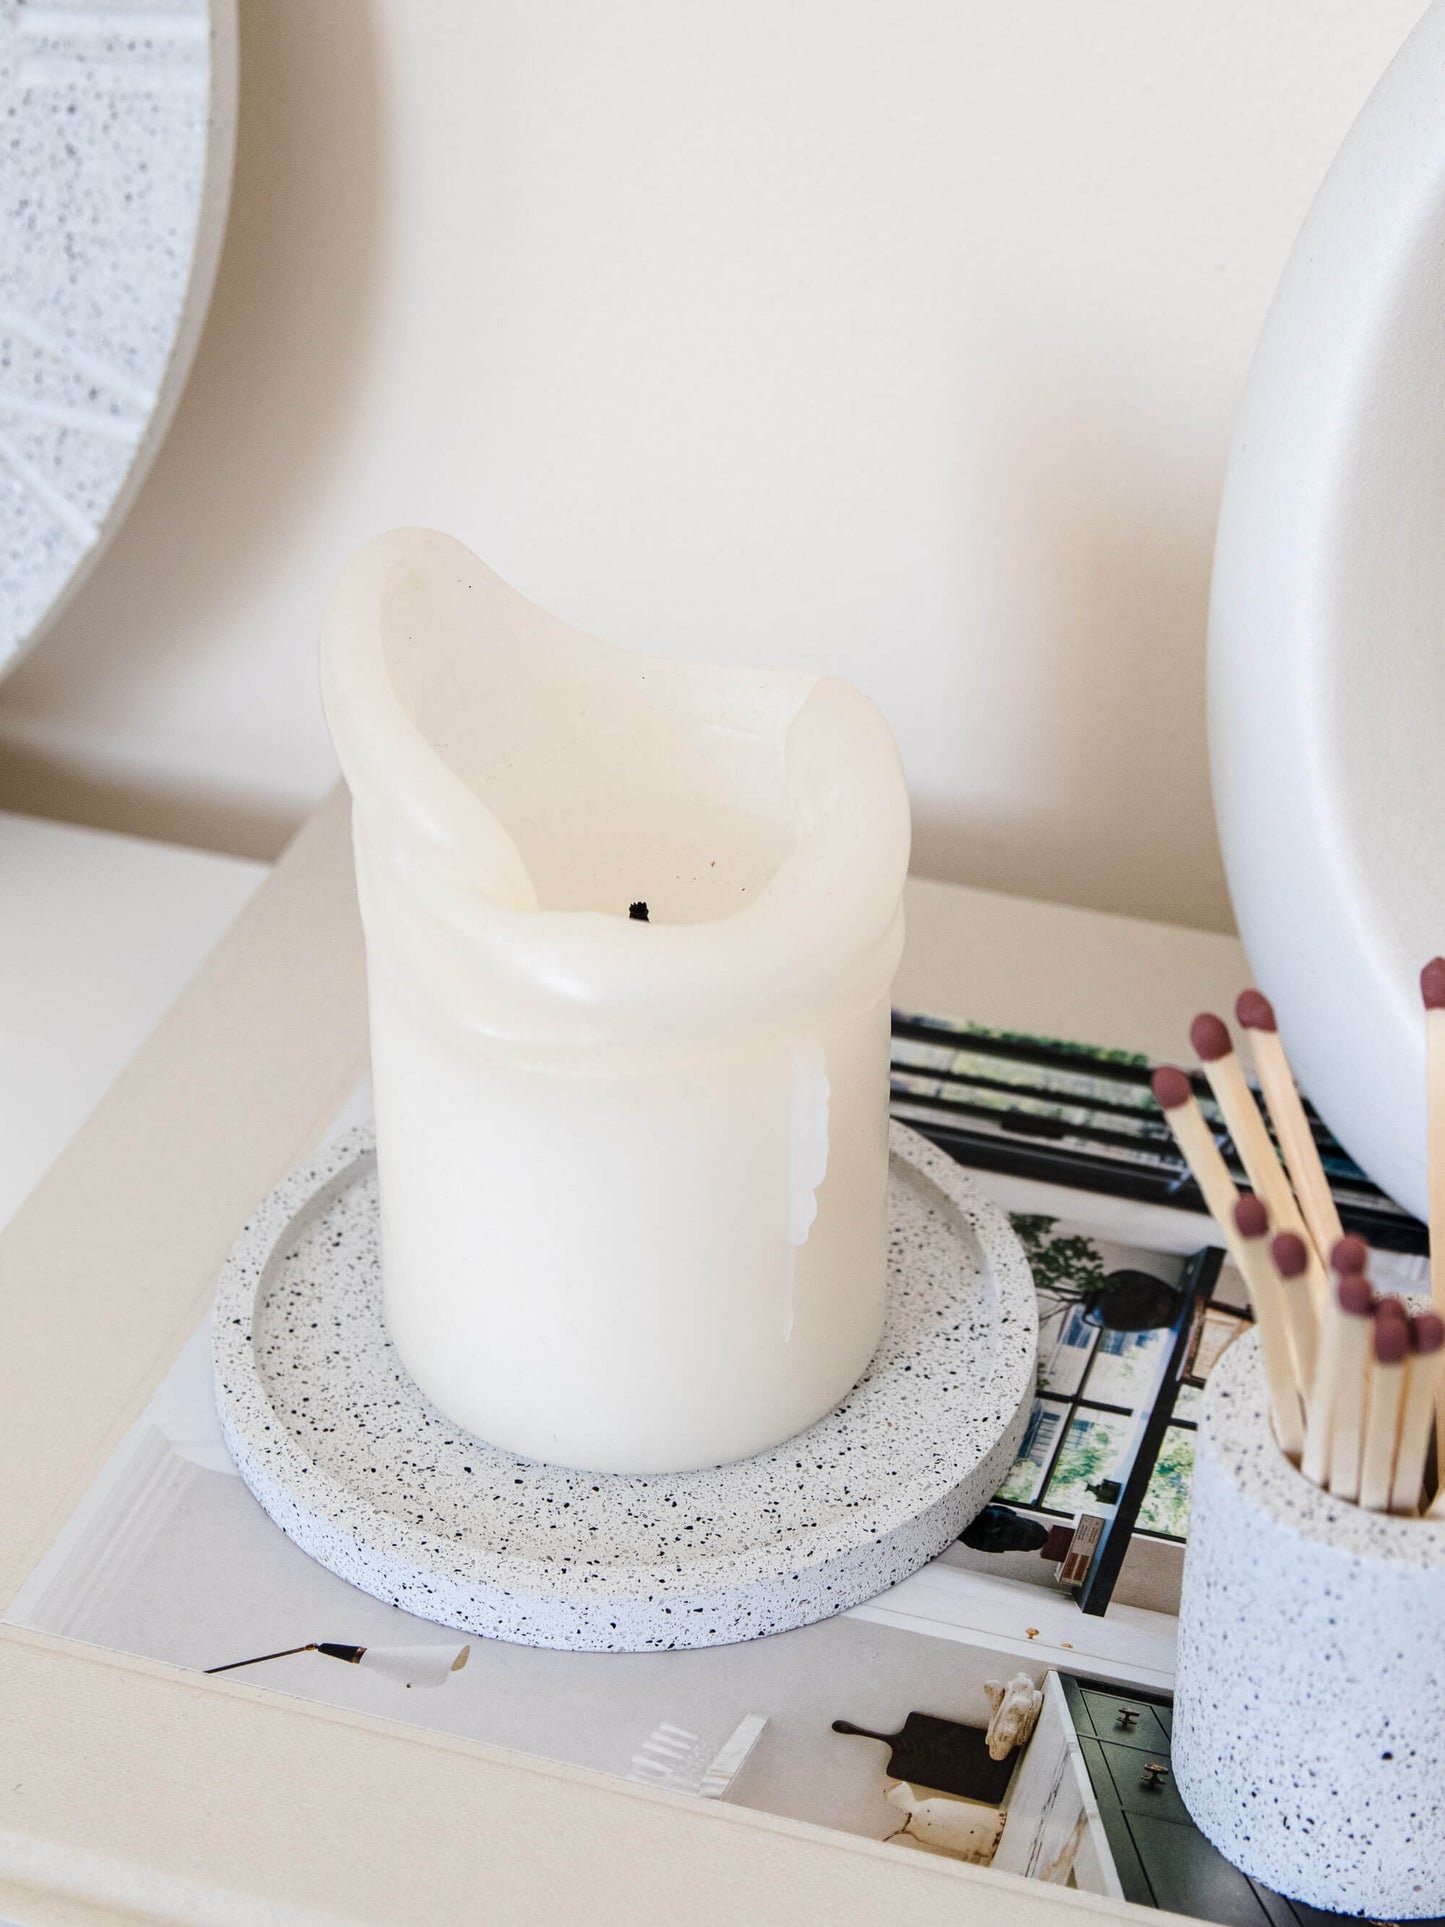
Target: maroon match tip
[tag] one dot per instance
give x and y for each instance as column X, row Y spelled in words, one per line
column 1392, row 1336
column 1428, row 1332
column 1254, row 1011
column 1349, row 1255
column 1432, row 984
column 1250, row 1217
column 1171, row 1087
column 1289, row 1254
column 1210, row 1036
column 1356, row 1295
column 1392, row 1307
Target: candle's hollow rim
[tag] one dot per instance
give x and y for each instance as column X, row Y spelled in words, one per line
column 565, row 777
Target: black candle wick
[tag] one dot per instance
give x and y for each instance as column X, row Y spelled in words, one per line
column 637, row 912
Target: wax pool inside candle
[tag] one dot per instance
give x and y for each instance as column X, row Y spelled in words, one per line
column 616, row 777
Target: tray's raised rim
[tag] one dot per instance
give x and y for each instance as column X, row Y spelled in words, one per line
column 919, row 1508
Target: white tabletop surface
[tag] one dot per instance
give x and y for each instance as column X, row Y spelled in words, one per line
column 102, row 931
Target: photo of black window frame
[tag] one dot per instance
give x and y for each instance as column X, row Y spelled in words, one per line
column 1037, row 1153
column 1094, row 1591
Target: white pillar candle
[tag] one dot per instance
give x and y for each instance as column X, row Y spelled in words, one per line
column 633, row 1174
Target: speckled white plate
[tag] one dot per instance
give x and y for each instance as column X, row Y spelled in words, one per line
column 353, row 1462
column 120, row 124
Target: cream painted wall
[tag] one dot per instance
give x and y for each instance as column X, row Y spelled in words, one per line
column 899, row 340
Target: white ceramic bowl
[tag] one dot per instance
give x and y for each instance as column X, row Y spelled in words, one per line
column 1327, row 628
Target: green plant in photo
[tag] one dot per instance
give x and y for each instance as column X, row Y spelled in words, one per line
column 1089, row 1456
column 1166, row 1502
column 1069, row 1271
column 1065, row 1270
column 1068, row 1268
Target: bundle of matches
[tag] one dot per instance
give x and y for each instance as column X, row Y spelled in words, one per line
column 1355, row 1385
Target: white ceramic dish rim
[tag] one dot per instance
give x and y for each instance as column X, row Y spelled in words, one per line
column 271, row 1233
column 202, row 242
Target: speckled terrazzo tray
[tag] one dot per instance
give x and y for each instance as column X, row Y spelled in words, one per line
column 1309, row 1711
column 350, row 1459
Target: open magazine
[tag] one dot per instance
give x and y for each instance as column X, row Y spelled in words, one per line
column 1009, row 1705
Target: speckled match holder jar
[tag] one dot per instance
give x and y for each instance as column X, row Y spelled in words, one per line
column 1309, row 1718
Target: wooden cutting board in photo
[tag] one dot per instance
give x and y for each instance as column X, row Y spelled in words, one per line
column 942, row 1754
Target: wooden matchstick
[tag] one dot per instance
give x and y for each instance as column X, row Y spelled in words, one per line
column 1175, row 1097
column 1383, row 1404
column 1357, row 1304
column 1432, row 993
column 1348, row 1259
column 1266, row 1295
column 1290, row 1255
column 1292, row 1127
column 1210, row 1037
column 1427, row 1335
column 1245, row 1242
column 1436, row 1507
